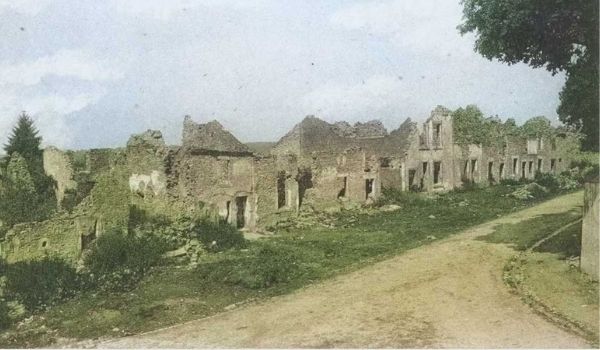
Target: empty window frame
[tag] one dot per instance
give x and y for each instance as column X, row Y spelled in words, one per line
column 437, row 172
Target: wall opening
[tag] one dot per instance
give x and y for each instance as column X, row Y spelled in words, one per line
column 501, row 171
column 437, row 137
column 465, row 172
column 86, row 240
column 523, row 166
column 437, row 167
column 342, row 192
column 552, row 165
column 491, row 172
column 515, row 164
column 304, row 183
column 385, row 162
column 240, row 203
column 473, row 168
column 411, row 178
column 281, row 200
column 540, row 164
column 422, row 184
column 530, row 169
column 368, row 188
column 228, row 213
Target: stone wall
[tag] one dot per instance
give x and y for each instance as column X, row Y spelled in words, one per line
column 64, row 237
column 590, row 234
column 57, row 164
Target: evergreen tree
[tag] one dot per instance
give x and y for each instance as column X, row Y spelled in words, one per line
column 25, row 141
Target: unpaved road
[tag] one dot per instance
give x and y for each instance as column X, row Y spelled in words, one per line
column 446, row 294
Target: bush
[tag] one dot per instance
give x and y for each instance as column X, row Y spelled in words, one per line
column 264, row 266
column 40, row 283
column 547, row 180
column 116, row 261
column 217, row 236
column 397, row 196
column 510, row 182
column 5, row 320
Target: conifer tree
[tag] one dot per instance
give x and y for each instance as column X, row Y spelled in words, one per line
column 25, row 140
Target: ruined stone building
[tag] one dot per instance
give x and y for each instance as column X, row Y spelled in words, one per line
column 316, row 163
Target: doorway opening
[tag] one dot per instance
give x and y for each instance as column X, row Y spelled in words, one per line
column 281, row 202
column 240, row 203
column 368, row 187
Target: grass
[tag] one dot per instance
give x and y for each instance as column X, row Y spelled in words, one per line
column 545, row 277
column 524, row 234
column 562, row 288
column 170, row 294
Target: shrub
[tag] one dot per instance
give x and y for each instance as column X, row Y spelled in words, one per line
column 510, row 182
column 264, row 266
column 397, row 196
column 547, row 180
column 40, row 283
column 116, row 261
column 217, row 236
column 5, row 320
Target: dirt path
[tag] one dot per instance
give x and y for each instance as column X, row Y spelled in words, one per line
column 447, row 294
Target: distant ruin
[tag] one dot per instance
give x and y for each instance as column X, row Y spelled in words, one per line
column 316, row 163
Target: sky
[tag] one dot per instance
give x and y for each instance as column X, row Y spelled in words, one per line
column 91, row 73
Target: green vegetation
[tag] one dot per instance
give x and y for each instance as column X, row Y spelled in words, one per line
column 40, row 283
column 26, row 192
column 471, row 127
column 117, row 261
column 523, row 235
column 557, row 35
column 545, row 276
column 171, row 293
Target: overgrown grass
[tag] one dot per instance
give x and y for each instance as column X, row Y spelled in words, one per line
column 544, row 277
column 264, row 268
column 565, row 244
column 526, row 233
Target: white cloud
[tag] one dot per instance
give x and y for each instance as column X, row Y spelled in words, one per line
column 164, row 10
column 77, row 64
column 26, row 7
column 21, row 89
column 426, row 26
column 343, row 100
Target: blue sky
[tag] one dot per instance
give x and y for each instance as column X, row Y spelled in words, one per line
column 93, row 72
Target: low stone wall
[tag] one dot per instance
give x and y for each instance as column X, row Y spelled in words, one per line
column 590, row 229
column 64, row 237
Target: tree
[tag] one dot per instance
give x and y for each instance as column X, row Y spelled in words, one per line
column 26, row 192
column 560, row 35
column 25, row 140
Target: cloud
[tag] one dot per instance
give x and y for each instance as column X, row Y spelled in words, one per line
column 25, row 7
column 77, row 64
column 420, row 26
column 164, row 10
column 348, row 100
column 52, row 87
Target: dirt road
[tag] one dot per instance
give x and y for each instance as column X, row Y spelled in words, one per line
column 447, row 294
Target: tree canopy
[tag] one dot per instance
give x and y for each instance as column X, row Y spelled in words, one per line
column 24, row 140
column 559, row 35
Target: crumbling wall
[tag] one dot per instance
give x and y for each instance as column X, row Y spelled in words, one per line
column 146, row 156
column 57, row 165
column 64, row 237
column 590, row 234
column 210, row 136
